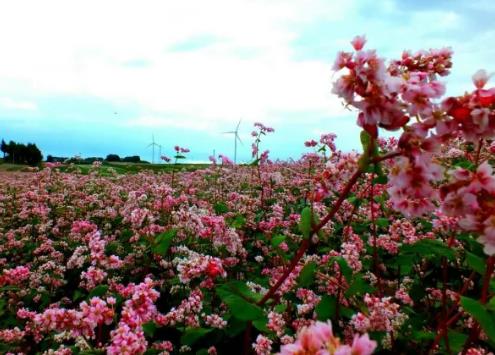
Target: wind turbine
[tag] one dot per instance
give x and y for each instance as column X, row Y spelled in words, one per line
column 236, row 138
column 160, row 153
column 152, row 145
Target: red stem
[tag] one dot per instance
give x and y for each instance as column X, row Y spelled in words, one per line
column 300, row 252
column 475, row 333
column 306, row 243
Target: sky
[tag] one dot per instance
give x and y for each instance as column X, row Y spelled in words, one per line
column 99, row 77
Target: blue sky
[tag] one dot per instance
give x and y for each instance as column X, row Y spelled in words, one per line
column 98, row 77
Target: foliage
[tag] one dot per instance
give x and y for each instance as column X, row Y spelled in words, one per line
column 18, row 153
column 391, row 250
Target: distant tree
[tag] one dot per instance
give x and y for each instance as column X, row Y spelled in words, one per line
column 112, row 157
column 3, row 148
column 18, row 153
column 49, row 158
column 91, row 160
column 33, row 154
column 132, row 159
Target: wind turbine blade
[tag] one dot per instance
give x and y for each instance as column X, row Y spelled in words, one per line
column 229, row 132
column 239, row 138
column 237, row 128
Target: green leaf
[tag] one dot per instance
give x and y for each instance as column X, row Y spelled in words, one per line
column 98, row 291
column 235, row 327
column 220, row 208
column 404, row 262
column 355, row 201
column 192, row 335
column 377, row 169
column 382, row 222
column 280, row 308
column 478, row 311
column 344, row 267
column 77, row 295
column 423, row 336
column 464, row 163
column 149, row 329
column 255, row 162
column 9, row 288
column 238, row 222
column 305, row 222
column 2, row 306
column 476, row 263
column 456, row 341
column 152, row 352
column 358, row 287
column 364, row 160
column 239, row 307
column 277, row 240
column 307, row 275
column 346, row 312
column 260, row 324
column 163, row 241
column 381, row 180
column 326, row 308
column 491, row 304
column 240, row 288
column 429, row 248
column 365, row 140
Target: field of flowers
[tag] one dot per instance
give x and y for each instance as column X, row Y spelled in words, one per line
column 390, row 250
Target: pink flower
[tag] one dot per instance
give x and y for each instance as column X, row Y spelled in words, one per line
column 226, row 160
column 319, row 339
column 214, row 268
column 480, row 78
column 310, row 143
column 263, row 345
column 363, row 345
column 358, row 42
column 14, row 276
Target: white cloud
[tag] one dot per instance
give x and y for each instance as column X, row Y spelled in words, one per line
column 247, row 70
column 80, row 48
column 13, row 104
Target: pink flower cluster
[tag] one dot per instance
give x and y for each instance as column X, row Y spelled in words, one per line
column 383, row 315
column 198, row 265
column 128, row 337
column 187, row 312
column 14, row 276
column 319, row 339
column 78, row 322
column 470, row 196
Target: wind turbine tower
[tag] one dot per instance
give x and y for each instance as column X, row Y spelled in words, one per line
column 152, row 145
column 236, row 138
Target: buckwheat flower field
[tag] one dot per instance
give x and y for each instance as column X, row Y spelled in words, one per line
column 389, row 250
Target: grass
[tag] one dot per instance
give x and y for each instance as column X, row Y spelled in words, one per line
column 120, row 168
column 137, row 167
column 13, row 167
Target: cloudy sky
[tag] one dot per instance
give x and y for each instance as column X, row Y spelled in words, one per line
column 99, row 77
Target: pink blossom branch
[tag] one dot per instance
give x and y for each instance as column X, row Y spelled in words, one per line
column 306, row 243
